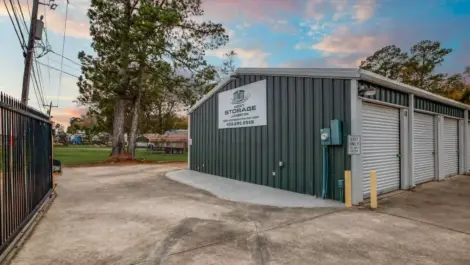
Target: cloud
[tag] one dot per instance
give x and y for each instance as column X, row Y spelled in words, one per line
column 78, row 28
column 77, row 23
column 335, row 60
column 315, row 9
column 247, row 57
column 251, row 10
column 364, row 10
column 63, row 115
column 343, row 41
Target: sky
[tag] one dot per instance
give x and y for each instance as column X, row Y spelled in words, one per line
column 263, row 33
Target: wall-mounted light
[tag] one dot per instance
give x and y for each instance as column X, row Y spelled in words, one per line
column 366, row 90
column 233, row 77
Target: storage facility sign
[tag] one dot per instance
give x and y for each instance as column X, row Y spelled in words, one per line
column 244, row 106
column 354, row 145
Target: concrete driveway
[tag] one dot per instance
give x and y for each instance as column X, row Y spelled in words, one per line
column 135, row 215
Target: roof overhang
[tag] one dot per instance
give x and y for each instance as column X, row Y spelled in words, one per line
column 343, row 73
column 346, row 73
column 395, row 85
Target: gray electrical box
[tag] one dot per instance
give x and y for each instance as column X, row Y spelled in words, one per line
column 325, row 136
column 336, row 132
column 39, row 29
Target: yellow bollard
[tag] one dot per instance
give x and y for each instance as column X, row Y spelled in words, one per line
column 373, row 189
column 347, row 188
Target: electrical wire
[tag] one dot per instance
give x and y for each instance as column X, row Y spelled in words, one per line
column 22, row 43
column 41, row 101
column 53, row 68
column 22, row 15
column 63, row 49
column 37, row 98
column 40, row 78
column 29, row 10
column 66, row 65
column 70, row 60
column 47, row 44
column 18, row 22
column 38, row 84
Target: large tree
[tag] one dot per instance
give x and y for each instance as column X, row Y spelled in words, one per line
column 387, row 61
column 425, row 56
column 129, row 36
column 418, row 68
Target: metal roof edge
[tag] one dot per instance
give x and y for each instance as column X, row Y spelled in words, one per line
column 221, row 84
column 347, row 73
column 396, row 85
column 314, row 72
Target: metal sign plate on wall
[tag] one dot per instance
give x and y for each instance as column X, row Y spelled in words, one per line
column 354, row 145
column 244, row 106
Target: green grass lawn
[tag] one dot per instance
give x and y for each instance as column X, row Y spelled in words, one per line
column 72, row 156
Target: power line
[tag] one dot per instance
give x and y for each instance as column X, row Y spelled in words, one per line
column 18, row 22
column 37, row 98
column 37, row 90
column 22, row 43
column 21, row 12
column 39, row 72
column 38, row 83
column 47, row 44
column 70, row 60
column 53, row 68
column 29, row 10
column 71, row 67
column 63, row 49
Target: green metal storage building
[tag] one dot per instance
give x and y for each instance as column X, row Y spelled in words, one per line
column 263, row 125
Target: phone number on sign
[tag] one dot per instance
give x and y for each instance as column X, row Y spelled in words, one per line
column 240, row 123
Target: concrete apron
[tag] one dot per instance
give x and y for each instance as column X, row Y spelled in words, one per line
column 239, row 191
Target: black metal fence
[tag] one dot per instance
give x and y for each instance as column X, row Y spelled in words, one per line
column 25, row 165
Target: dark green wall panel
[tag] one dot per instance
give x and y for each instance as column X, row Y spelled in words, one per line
column 297, row 108
column 436, row 107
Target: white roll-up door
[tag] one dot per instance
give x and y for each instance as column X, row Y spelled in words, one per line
column 468, row 147
column 451, row 146
column 380, row 147
column 423, row 133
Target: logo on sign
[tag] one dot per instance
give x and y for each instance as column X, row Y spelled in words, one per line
column 240, row 97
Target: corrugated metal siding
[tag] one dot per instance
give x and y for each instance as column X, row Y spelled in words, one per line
column 387, row 95
column 428, row 105
column 297, row 108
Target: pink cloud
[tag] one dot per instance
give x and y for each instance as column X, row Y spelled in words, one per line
column 77, row 24
column 364, row 10
column 63, row 115
column 247, row 57
column 334, row 60
column 343, row 41
column 255, row 10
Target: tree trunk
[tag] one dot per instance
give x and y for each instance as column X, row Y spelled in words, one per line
column 118, row 127
column 134, row 124
column 120, row 108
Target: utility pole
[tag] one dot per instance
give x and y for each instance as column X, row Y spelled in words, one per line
column 29, row 53
column 50, row 108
